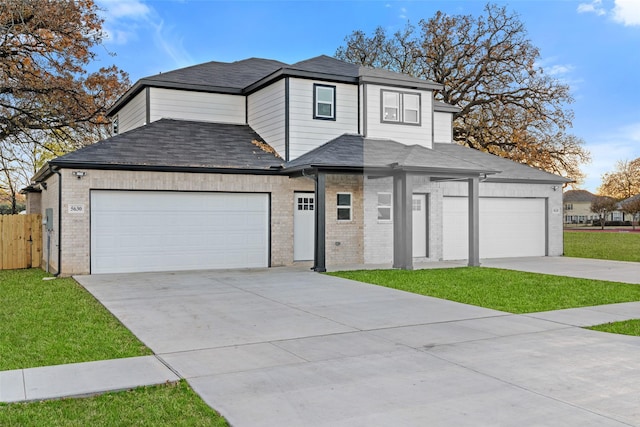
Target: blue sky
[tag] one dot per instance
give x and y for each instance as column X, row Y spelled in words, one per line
column 594, row 45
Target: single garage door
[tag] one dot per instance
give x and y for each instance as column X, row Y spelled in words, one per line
column 509, row 227
column 136, row 231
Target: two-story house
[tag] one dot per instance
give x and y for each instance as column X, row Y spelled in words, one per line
column 257, row 163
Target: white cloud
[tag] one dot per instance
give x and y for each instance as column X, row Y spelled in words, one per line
column 133, row 9
column 594, row 7
column 627, row 12
column 559, row 69
column 129, row 20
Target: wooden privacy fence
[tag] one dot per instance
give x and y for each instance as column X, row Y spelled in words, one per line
column 20, row 241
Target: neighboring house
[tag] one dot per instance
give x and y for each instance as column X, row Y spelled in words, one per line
column 577, row 208
column 257, row 163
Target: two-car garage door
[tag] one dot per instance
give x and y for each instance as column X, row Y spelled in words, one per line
column 135, row 231
column 509, row 227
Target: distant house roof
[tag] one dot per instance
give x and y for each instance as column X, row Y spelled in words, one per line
column 177, row 145
column 510, row 171
column 578, row 196
column 243, row 77
column 357, row 152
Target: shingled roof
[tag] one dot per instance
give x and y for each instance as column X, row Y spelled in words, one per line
column 357, row 152
column 510, row 171
column 178, row 144
column 578, row 196
column 242, row 77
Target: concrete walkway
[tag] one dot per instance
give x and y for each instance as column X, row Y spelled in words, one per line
column 287, row 347
column 82, row 379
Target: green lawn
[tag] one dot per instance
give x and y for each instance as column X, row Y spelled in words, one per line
column 505, row 290
column 166, row 405
column 51, row 322
column 628, row 327
column 612, row 246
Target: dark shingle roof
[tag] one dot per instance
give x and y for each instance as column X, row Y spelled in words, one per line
column 167, row 144
column 233, row 75
column 510, row 170
column 327, row 65
column 355, row 151
column 578, row 196
column 244, row 76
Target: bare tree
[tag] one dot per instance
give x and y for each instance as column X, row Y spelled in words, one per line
column 603, row 206
column 47, row 96
column 624, row 181
column 631, row 206
column 509, row 105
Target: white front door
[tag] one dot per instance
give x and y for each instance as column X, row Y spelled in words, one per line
column 419, row 225
column 304, row 216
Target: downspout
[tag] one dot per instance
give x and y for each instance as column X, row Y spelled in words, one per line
column 57, row 172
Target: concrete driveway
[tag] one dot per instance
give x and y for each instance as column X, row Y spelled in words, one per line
column 296, row 348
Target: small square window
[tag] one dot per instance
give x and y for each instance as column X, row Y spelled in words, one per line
column 384, row 206
column 344, row 206
column 324, row 101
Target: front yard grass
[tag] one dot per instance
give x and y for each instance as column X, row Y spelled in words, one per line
column 627, row 327
column 165, row 405
column 505, row 290
column 599, row 245
column 51, row 322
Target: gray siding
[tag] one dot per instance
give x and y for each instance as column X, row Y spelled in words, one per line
column 133, row 114
column 442, row 127
column 405, row 134
column 197, row 106
column 266, row 115
column 305, row 132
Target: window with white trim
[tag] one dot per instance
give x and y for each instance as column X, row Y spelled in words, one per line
column 400, row 107
column 324, row 102
column 343, row 203
column 384, row 206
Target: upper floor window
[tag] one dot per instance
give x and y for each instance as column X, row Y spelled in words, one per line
column 324, row 102
column 568, row 206
column 400, row 107
column 115, row 125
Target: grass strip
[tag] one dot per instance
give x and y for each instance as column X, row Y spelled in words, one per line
column 505, row 290
column 610, row 246
column 51, row 322
column 165, row 405
column 627, row 327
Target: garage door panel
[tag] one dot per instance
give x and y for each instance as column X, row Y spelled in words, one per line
column 509, row 227
column 163, row 231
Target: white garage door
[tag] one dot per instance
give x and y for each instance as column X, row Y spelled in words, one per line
column 136, row 231
column 509, row 227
